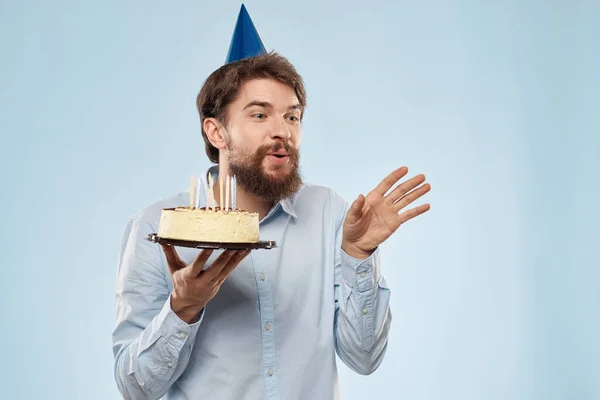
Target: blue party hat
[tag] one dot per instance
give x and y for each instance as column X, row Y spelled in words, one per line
column 245, row 41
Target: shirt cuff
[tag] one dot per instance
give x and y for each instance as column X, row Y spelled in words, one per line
column 176, row 331
column 361, row 275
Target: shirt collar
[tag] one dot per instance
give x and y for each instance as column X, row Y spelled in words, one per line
column 287, row 204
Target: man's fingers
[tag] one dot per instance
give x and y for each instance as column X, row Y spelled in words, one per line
column 413, row 212
column 390, row 180
column 198, row 264
column 217, row 266
column 233, row 262
column 406, row 187
column 173, row 261
column 412, row 196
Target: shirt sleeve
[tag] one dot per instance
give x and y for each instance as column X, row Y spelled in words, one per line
column 151, row 344
column 362, row 308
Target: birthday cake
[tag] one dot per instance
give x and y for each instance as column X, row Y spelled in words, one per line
column 210, row 223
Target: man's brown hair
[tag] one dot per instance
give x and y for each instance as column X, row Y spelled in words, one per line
column 222, row 87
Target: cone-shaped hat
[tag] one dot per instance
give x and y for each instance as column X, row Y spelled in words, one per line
column 245, row 41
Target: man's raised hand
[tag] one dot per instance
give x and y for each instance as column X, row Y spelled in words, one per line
column 373, row 218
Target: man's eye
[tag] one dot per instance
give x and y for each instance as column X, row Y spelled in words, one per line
column 293, row 118
column 259, row 116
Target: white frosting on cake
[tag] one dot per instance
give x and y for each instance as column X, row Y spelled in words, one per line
column 185, row 223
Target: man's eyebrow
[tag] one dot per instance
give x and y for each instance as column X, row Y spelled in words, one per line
column 263, row 104
column 266, row 104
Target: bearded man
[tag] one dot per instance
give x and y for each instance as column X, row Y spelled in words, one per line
column 208, row 324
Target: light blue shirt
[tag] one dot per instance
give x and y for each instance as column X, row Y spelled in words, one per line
column 274, row 328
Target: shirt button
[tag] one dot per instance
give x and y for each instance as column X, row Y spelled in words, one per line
column 169, row 364
column 364, row 311
column 268, row 327
column 270, row 372
column 262, row 277
column 181, row 335
column 363, row 274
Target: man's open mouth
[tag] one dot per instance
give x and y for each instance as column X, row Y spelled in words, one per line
column 279, row 154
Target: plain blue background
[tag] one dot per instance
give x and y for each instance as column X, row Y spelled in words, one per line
column 494, row 291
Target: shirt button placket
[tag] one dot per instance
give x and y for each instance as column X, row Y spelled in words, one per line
column 265, row 300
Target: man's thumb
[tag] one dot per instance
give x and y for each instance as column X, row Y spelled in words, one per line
column 174, row 262
column 356, row 208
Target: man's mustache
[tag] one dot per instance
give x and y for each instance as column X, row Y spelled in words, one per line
column 289, row 149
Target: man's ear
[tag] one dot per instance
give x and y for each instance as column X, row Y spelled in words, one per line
column 215, row 133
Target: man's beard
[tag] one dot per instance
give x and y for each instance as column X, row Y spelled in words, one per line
column 252, row 177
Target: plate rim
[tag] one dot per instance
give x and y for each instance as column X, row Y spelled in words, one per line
column 262, row 244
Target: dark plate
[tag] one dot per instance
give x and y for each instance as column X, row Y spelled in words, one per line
column 153, row 237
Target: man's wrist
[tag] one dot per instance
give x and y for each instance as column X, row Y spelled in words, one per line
column 188, row 313
column 354, row 251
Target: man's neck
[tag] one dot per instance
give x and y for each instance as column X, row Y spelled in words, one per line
column 245, row 201
column 248, row 202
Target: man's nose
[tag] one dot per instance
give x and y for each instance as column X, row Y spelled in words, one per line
column 280, row 129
